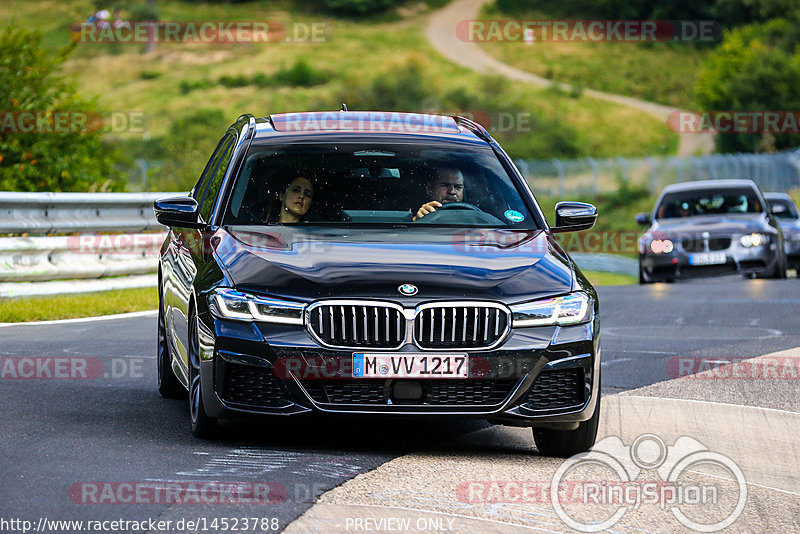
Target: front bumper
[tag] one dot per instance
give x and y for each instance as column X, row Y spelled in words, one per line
column 677, row 264
column 541, row 375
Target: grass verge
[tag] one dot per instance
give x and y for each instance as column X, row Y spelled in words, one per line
column 663, row 72
column 383, row 63
column 598, row 278
column 79, row 305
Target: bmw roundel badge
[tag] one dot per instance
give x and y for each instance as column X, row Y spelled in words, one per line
column 408, row 289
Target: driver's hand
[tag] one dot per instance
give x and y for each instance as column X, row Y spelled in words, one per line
column 430, row 207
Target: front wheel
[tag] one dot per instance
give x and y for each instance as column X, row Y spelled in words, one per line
column 203, row 426
column 780, row 270
column 642, row 277
column 168, row 384
column 566, row 443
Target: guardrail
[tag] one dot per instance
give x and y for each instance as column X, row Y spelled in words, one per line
column 63, row 213
column 41, row 264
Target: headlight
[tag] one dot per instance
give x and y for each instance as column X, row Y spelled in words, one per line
column 659, row 246
column 575, row 308
column 753, row 240
column 228, row 303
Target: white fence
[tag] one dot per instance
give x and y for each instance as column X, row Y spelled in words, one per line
column 589, row 177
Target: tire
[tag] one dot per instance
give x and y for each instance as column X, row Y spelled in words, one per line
column 203, row 426
column 642, row 279
column 566, row 443
column 781, row 268
column 778, row 271
column 168, row 384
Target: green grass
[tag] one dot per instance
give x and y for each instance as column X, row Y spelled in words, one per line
column 355, row 56
column 598, row 278
column 78, row 305
column 658, row 72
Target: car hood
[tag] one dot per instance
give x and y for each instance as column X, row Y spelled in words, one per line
column 714, row 224
column 312, row 263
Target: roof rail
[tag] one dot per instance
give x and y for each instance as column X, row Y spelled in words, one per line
column 474, row 127
column 251, row 122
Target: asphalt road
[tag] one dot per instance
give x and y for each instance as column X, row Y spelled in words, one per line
column 67, row 441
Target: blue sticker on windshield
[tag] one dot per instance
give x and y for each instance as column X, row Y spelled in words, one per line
column 514, row 216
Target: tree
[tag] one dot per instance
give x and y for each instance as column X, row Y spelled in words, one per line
column 755, row 68
column 33, row 96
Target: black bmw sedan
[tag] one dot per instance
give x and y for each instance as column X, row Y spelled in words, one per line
column 364, row 263
column 710, row 228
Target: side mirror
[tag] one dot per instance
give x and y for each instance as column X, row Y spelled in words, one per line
column 643, row 218
column 177, row 211
column 574, row 217
column 778, row 209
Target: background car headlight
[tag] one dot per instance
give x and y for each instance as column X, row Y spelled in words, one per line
column 753, row 240
column 661, row 246
column 575, row 308
column 229, row 303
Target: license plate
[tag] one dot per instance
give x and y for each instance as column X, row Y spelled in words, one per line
column 376, row 365
column 707, row 258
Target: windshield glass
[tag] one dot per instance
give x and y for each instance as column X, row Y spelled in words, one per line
column 708, row 202
column 370, row 184
column 783, row 209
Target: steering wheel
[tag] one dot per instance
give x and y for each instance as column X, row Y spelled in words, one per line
column 449, row 206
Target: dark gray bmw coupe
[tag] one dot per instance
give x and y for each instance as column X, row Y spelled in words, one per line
column 710, row 228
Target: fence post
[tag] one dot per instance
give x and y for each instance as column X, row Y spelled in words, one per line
column 522, row 165
column 623, row 163
column 595, row 175
column 676, row 162
column 654, row 181
column 561, row 176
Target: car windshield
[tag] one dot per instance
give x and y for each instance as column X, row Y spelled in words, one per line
column 371, row 184
column 708, row 202
column 783, row 209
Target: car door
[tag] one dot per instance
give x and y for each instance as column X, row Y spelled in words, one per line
column 180, row 263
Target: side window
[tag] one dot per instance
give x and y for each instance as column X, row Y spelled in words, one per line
column 202, row 183
column 216, row 172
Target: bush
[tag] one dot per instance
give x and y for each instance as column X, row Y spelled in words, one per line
column 301, row 74
column 143, row 13
column 187, row 147
column 29, row 81
column 727, row 13
column 358, row 7
column 756, row 68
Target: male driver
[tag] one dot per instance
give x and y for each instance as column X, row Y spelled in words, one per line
column 447, row 186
